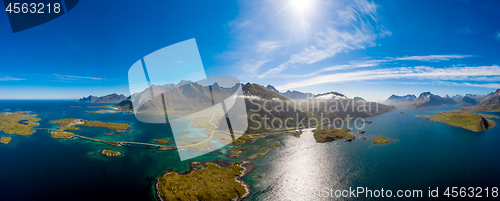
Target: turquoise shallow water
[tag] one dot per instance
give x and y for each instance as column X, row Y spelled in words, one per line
column 426, row 154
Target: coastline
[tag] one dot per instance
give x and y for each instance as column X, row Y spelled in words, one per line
column 192, row 169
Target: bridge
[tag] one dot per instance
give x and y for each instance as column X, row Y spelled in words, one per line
column 159, row 147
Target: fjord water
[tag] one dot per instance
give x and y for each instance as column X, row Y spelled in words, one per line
column 426, row 154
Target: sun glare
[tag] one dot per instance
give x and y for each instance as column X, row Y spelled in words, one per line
column 301, row 5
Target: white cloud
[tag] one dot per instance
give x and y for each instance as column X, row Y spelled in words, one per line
column 487, row 85
column 77, row 78
column 352, row 65
column 419, row 72
column 275, row 30
column 254, row 66
column 268, row 46
column 334, row 40
column 10, row 78
column 433, row 58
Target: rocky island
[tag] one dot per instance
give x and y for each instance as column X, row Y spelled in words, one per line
column 381, row 140
column 332, row 134
column 468, row 120
column 5, row 140
column 110, row 153
column 205, row 181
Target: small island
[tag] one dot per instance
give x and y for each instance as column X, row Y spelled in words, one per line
column 238, row 151
column 71, row 124
column 160, row 141
column 382, row 140
column 367, row 122
column 468, row 120
column 361, row 131
column 61, row 134
column 247, row 138
column 20, row 123
column 110, row 153
column 332, row 134
column 5, row 140
column 209, row 182
column 364, row 138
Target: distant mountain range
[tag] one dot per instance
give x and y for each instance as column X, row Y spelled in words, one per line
column 427, row 99
column 111, row 98
column 490, row 104
column 292, row 95
column 471, row 99
column 180, row 98
column 297, row 95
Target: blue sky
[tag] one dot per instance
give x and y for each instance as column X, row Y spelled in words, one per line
column 361, row 48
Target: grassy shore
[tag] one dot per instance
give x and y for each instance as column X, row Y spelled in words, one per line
column 209, row 183
column 468, row 120
column 71, row 123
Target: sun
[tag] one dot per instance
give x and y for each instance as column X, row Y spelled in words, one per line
column 301, row 5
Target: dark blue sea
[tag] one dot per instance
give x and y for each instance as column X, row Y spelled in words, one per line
column 425, row 154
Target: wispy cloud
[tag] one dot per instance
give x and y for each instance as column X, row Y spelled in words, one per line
column 10, row 78
column 356, row 28
column 433, row 58
column 295, row 37
column 498, row 36
column 77, row 78
column 268, row 46
column 254, row 66
column 487, row 85
column 419, row 72
column 350, row 66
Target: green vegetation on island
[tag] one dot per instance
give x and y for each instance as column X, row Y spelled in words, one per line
column 364, row 138
column 5, row 140
column 110, row 153
column 161, row 141
column 361, row 131
column 247, row 138
column 61, row 134
column 275, row 144
column 211, row 182
column 332, row 134
column 20, row 123
column 381, row 140
column 238, row 151
column 70, row 124
column 109, row 125
column 468, row 120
